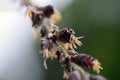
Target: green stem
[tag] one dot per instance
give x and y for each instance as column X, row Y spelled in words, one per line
column 64, row 52
column 77, row 67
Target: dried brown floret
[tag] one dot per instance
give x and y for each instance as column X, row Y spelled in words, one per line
column 47, row 10
column 37, row 18
column 85, row 60
column 66, row 36
column 37, row 15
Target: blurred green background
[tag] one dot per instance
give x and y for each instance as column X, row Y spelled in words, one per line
column 99, row 22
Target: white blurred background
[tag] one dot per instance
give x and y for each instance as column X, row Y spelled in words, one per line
column 19, row 59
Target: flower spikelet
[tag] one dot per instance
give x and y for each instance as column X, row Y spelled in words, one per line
column 66, row 36
column 60, row 44
column 88, row 61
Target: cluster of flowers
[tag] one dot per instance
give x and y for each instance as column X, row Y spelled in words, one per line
column 61, row 44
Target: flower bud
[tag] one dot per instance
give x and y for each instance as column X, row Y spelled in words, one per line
column 64, row 35
column 48, row 11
